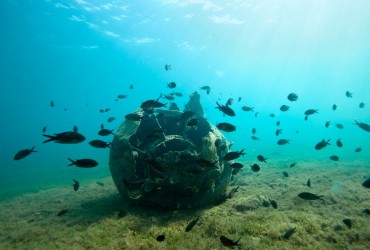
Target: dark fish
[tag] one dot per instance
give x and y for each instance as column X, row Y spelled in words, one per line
column 339, row 143
column 273, row 204
column 206, row 88
column 253, row 131
column 106, row 110
column 44, row 129
column 366, row 183
column 99, row 144
column 229, row 243
column 75, row 129
column 232, row 192
column 191, row 224
column 322, row 144
column 160, row 238
column 292, row 165
column 178, row 94
column 131, row 86
column 348, row 94
column 348, row 223
column 310, row 112
column 362, row 125
column 237, row 165
column 100, row 183
column 272, row 115
column 255, row 138
column 133, row 117
column 171, row 85
column 261, row 158
column 247, row 109
column 167, row 67
column 149, row 105
column 227, row 127
column 105, row 132
column 101, row 126
column 233, row 155
column 239, row 99
column 256, row 114
column 101, row 110
column 52, row 104
column 205, row 163
column 292, row 97
column 62, row 212
column 289, row 233
column 309, row 196
column 278, row 123
column 334, row 107
column 361, row 105
column 285, row 173
column 366, row 211
column 230, row 102
column 284, row 108
column 122, row 213
column 23, row 153
column 327, row 124
column 168, row 97
column 334, row 158
column 65, row 138
column 225, row 109
column 309, row 183
column 111, row 119
column 235, row 171
column 186, row 115
column 283, row 141
column 65, row 109
column 83, row 163
column 340, row 126
column 278, row 132
column 358, row 150
column 173, row 106
column 121, row 96
column 192, row 122
column 255, row 167
column 76, row 185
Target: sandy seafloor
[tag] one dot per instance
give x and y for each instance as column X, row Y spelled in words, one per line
column 30, row 221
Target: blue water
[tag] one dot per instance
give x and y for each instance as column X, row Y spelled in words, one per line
column 82, row 54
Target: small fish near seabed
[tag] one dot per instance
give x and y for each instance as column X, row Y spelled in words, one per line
column 309, row 196
column 232, row 192
column 65, row 138
column 228, row 242
column 62, row 212
column 348, row 223
column 76, row 185
column 273, row 204
column 309, row 183
column 237, row 165
column 285, row 173
column 322, row 144
column 334, row 158
column 366, row 183
column 190, row 226
column 83, row 163
column 255, row 167
column 134, row 117
column 160, row 238
column 288, row 233
column 261, row 158
column 23, row 153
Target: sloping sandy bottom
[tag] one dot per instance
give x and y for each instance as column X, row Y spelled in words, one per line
column 30, row 221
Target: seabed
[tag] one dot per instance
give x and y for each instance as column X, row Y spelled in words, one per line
column 96, row 217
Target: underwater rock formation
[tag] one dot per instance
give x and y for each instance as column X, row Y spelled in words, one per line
column 161, row 161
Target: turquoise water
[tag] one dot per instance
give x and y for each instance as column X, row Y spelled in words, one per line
column 82, row 54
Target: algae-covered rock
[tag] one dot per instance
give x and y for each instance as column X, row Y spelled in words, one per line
column 160, row 161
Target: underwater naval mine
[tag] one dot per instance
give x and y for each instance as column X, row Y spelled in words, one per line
column 158, row 160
